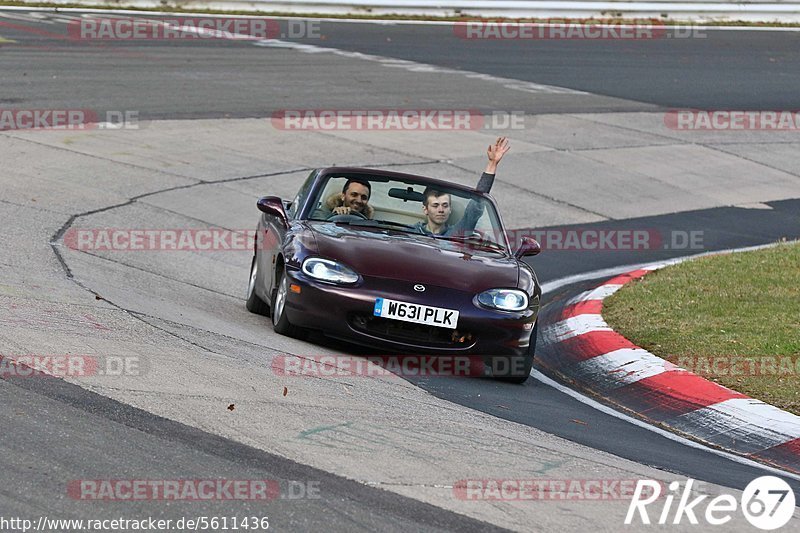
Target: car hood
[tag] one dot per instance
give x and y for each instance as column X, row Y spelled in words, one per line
column 387, row 254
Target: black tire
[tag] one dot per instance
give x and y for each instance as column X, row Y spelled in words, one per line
column 255, row 304
column 280, row 322
column 518, row 368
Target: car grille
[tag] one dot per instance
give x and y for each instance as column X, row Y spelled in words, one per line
column 400, row 331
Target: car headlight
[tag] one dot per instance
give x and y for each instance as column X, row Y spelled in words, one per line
column 327, row 270
column 504, row 299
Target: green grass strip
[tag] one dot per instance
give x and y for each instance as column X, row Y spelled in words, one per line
column 734, row 319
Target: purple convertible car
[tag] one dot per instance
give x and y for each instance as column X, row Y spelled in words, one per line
column 377, row 277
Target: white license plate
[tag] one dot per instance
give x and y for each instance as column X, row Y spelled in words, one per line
column 419, row 314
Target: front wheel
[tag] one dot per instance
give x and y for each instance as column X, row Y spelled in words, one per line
column 517, row 368
column 255, row 304
column 280, row 322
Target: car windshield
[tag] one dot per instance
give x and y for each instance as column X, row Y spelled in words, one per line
column 397, row 205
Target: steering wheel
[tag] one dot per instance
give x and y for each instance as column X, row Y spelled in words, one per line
column 335, row 217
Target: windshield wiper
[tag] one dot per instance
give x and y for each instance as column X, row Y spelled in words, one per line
column 373, row 222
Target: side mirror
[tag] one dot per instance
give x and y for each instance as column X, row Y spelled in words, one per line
column 529, row 247
column 272, row 205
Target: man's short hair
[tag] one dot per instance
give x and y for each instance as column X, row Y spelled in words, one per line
column 431, row 191
column 360, row 181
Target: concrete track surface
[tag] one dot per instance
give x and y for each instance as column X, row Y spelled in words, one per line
column 207, row 404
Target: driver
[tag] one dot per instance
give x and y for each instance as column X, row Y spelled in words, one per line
column 353, row 198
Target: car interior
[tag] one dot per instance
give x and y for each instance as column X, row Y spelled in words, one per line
column 403, row 208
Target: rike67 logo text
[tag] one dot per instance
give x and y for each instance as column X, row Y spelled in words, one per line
column 767, row 503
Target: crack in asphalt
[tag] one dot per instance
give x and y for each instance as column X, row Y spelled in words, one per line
column 54, row 245
column 399, row 484
column 60, row 233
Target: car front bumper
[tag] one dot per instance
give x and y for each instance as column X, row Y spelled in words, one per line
column 346, row 312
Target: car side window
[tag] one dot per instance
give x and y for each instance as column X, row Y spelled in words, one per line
column 302, row 196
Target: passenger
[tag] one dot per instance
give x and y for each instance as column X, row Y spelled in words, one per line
column 437, row 207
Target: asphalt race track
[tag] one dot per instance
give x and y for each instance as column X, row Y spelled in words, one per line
column 593, row 152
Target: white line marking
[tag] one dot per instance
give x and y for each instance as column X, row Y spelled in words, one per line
column 25, row 18
column 379, row 22
column 740, row 418
column 615, row 271
column 67, row 19
column 664, row 433
column 623, row 367
column 575, row 326
column 599, row 293
column 413, row 66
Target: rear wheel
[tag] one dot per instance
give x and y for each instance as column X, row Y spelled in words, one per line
column 255, row 304
column 517, row 368
column 280, row 322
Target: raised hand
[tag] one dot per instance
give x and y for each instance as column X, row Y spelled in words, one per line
column 495, row 153
column 497, row 150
